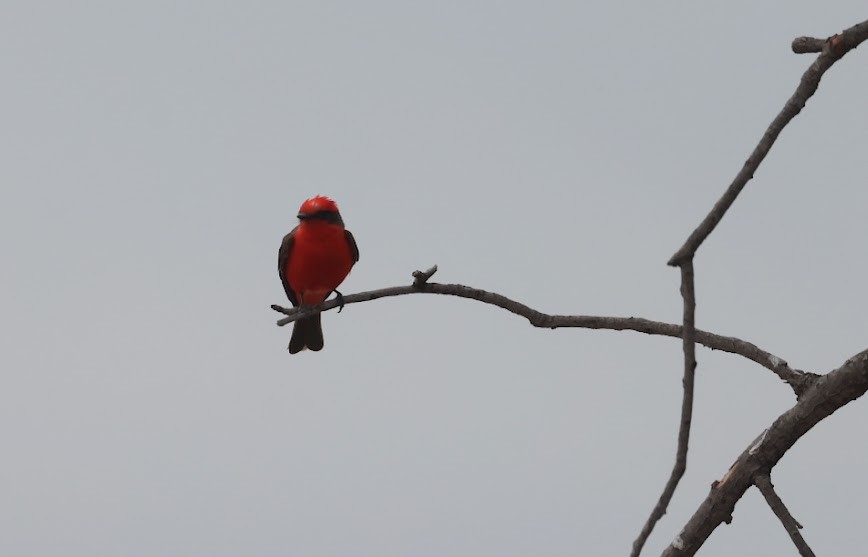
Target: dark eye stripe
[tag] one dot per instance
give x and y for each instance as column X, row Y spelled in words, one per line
column 332, row 217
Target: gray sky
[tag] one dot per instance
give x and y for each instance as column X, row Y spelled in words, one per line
column 154, row 153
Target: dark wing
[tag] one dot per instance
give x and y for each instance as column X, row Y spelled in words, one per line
column 282, row 257
column 354, row 249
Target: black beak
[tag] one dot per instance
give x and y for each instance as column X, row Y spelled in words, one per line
column 303, row 216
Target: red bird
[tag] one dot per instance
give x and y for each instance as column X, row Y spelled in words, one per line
column 314, row 259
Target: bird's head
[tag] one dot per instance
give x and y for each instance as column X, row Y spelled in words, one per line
column 320, row 208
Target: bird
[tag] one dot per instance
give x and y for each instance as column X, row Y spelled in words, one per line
column 313, row 260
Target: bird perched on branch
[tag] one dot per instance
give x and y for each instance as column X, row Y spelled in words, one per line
column 314, row 259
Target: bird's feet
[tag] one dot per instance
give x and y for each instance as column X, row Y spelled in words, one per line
column 340, row 298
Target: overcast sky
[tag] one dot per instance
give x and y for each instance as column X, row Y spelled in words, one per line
column 154, row 154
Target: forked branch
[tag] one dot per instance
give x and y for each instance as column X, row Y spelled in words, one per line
column 828, row 393
column 833, row 49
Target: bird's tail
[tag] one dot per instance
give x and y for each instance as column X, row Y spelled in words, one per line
column 306, row 333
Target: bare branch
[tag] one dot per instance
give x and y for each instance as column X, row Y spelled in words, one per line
column 828, row 393
column 833, row 49
column 798, row 380
column 689, row 346
column 764, row 484
column 772, row 444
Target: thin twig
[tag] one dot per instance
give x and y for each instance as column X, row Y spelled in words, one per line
column 688, row 295
column 828, row 393
column 421, row 277
column 834, row 48
column 798, row 380
column 764, row 484
column 807, row 45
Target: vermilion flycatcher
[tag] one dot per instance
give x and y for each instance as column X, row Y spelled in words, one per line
column 314, row 259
